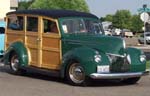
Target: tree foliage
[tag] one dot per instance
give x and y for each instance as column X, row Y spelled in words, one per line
column 108, row 17
column 23, row 5
column 137, row 24
column 78, row 5
column 122, row 19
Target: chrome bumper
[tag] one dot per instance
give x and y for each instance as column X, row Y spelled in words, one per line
column 117, row 75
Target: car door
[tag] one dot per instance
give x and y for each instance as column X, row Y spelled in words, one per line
column 51, row 45
column 33, row 40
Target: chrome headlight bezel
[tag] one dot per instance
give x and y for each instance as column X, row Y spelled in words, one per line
column 98, row 58
column 142, row 58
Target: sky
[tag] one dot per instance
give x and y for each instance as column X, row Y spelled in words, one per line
column 103, row 7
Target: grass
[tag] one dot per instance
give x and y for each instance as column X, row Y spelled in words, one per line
column 148, row 64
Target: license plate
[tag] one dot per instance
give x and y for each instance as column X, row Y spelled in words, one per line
column 103, row 69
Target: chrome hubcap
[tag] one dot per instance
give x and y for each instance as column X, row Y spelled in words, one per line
column 76, row 73
column 14, row 63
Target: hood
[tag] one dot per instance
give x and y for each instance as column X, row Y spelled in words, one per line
column 106, row 44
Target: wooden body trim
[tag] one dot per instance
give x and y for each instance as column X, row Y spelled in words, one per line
column 41, row 47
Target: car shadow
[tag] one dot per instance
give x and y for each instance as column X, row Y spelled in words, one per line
column 92, row 83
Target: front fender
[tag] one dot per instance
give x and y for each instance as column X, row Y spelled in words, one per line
column 136, row 64
column 20, row 49
column 86, row 58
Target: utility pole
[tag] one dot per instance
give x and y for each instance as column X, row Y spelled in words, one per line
column 144, row 7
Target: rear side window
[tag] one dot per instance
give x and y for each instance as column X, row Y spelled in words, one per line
column 15, row 22
column 49, row 26
column 32, row 24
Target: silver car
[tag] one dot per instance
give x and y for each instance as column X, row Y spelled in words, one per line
column 147, row 38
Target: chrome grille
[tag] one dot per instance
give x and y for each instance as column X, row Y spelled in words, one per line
column 118, row 63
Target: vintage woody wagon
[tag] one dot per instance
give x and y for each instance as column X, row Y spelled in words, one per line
column 70, row 45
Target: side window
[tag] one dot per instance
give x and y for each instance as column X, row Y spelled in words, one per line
column 15, row 22
column 32, row 24
column 73, row 26
column 49, row 26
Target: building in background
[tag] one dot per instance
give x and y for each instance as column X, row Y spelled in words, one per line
column 7, row 6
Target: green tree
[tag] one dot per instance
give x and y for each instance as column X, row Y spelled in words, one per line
column 109, row 17
column 78, row 5
column 23, row 5
column 102, row 19
column 122, row 19
column 137, row 24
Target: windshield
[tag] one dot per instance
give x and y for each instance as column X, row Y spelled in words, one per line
column 81, row 26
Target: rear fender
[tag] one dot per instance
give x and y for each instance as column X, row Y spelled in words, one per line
column 21, row 51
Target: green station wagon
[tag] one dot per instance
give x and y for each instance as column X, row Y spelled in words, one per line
column 70, row 45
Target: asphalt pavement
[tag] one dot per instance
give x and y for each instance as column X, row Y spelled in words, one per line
column 33, row 84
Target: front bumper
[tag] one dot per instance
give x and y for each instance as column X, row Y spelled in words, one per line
column 117, row 75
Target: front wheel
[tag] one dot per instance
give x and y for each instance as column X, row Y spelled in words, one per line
column 75, row 74
column 131, row 80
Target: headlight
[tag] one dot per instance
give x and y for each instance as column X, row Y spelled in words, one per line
column 142, row 58
column 103, row 69
column 97, row 58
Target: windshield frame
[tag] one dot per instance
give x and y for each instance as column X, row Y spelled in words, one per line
column 81, row 18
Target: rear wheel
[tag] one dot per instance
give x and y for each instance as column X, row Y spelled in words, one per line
column 14, row 64
column 75, row 74
column 131, row 80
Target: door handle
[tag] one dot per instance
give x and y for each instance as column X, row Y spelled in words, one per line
column 38, row 39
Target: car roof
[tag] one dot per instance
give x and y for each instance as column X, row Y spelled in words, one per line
column 54, row 13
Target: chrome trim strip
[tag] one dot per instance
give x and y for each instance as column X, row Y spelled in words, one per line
column 77, row 42
column 122, row 56
column 116, row 75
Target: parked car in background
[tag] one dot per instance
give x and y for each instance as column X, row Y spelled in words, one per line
column 77, row 50
column 126, row 33
column 108, row 32
column 147, row 38
column 2, row 30
column 116, row 32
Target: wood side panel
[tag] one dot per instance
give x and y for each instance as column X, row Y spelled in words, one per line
column 32, row 40
column 50, row 42
column 32, row 44
column 51, row 51
column 51, row 59
column 12, row 37
column 33, row 56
